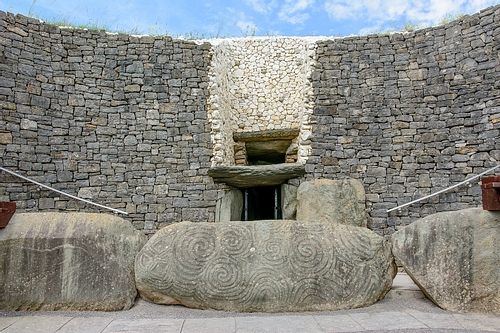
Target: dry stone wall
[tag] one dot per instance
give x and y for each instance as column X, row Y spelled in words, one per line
column 260, row 84
column 136, row 122
column 120, row 120
column 409, row 114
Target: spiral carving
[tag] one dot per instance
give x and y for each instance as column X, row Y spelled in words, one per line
column 192, row 248
column 223, row 280
column 309, row 254
column 236, row 240
column 266, row 286
column 265, row 266
column 274, row 251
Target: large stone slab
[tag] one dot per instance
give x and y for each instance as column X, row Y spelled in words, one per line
column 454, row 257
column 326, row 200
column 256, row 175
column 266, row 266
column 74, row 261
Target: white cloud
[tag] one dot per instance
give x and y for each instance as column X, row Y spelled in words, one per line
column 262, row 6
column 434, row 10
column 474, row 6
column 239, row 19
column 380, row 12
column 247, row 26
column 292, row 11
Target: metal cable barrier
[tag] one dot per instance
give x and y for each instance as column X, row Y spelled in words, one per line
column 65, row 194
column 446, row 189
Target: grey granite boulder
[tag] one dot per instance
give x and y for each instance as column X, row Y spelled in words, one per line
column 265, row 266
column 455, row 259
column 326, row 200
column 73, row 261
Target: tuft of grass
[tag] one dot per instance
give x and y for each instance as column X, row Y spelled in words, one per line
column 249, row 31
column 92, row 24
column 449, row 18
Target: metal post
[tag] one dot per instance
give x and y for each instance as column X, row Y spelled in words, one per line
column 245, row 204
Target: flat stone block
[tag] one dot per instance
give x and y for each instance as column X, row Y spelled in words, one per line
column 37, row 324
column 86, row 325
column 277, row 324
column 479, row 322
column 387, row 321
column 145, row 325
column 209, row 325
column 436, row 320
column 338, row 323
column 256, row 175
column 8, row 321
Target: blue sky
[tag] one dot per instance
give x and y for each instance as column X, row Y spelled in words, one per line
column 219, row 18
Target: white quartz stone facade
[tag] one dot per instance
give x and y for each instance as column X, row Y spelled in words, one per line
column 259, row 84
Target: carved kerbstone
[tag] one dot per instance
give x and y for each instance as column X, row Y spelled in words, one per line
column 266, row 266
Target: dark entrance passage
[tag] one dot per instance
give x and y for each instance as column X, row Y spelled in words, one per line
column 261, row 203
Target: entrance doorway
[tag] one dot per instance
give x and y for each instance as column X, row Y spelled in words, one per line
column 261, row 203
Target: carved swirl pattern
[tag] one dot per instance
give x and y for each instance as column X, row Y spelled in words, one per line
column 265, row 266
column 274, row 252
column 192, row 248
column 223, row 280
column 235, row 240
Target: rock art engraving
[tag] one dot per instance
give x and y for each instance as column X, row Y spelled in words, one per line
column 265, row 266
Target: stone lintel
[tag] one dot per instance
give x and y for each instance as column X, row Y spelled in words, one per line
column 256, row 175
column 281, row 134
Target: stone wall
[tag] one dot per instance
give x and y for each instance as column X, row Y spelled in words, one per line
column 260, row 84
column 136, row 122
column 410, row 114
column 120, row 120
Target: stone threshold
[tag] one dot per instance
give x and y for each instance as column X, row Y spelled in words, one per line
column 403, row 287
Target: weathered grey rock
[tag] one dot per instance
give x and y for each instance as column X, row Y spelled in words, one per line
column 229, row 207
column 280, row 134
column 265, row 266
column 454, row 257
column 256, row 175
column 74, row 261
column 326, row 200
column 289, row 201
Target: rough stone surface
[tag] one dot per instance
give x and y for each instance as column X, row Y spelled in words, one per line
column 256, row 175
column 229, row 207
column 137, row 121
column 266, row 266
column 260, row 85
column 282, row 134
column 326, row 200
column 289, row 201
column 74, row 261
column 454, row 258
